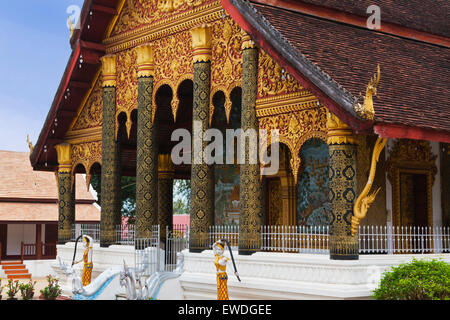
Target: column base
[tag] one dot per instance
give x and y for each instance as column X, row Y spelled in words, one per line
column 106, row 244
column 342, row 257
column 244, row 252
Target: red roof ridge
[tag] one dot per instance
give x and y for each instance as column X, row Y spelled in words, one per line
column 356, row 20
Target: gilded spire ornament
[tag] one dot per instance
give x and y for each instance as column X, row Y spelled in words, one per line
column 366, row 110
column 30, row 144
column 365, row 200
column 71, row 27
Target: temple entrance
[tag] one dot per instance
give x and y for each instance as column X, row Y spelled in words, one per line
column 414, row 204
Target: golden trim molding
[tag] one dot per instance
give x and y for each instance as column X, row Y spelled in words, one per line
column 84, row 135
column 177, row 23
column 286, row 103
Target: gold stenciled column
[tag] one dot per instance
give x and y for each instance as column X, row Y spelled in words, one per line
column 110, row 177
column 342, row 188
column 147, row 147
column 66, row 193
column 202, row 175
column 251, row 189
column 166, row 174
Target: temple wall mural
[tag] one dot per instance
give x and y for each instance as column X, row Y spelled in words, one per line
column 312, row 190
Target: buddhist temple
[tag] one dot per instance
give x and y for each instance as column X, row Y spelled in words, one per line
column 362, row 115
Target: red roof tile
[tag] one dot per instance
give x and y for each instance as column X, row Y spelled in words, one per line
column 27, row 195
column 414, row 87
column 424, row 15
column 18, row 180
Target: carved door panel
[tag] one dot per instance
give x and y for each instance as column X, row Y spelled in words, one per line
column 413, row 203
column 275, row 206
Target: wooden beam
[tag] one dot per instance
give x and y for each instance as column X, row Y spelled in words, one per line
column 385, row 130
column 92, row 45
column 104, row 9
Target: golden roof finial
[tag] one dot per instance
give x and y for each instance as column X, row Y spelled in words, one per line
column 30, row 144
column 71, row 27
column 366, row 110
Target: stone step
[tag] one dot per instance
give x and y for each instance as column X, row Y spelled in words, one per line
column 13, row 266
column 19, row 276
column 10, row 262
column 16, row 271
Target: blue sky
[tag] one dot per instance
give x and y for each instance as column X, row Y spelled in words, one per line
column 34, row 49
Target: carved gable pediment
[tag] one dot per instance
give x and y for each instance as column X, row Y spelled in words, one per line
column 91, row 114
column 136, row 13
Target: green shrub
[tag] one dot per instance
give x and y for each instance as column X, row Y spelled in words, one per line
column 416, row 280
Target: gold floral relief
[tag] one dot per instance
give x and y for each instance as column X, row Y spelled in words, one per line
column 295, row 128
column 226, row 64
column 173, row 63
column 140, row 12
column 125, row 21
column 273, row 80
column 86, row 154
column 91, row 115
column 126, row 90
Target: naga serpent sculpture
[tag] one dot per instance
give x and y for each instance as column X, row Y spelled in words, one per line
column 365, row 200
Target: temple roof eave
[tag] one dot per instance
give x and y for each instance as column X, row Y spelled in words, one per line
column 86, row 42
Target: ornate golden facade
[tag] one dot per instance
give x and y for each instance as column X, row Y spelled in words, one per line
column 180, row 33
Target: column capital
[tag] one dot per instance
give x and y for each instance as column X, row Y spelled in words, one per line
column 145, row 60
column 165, row 167
column 338, row 131
column 109, row 70
column 64, row 154
column 247, row 42
column 201, row 43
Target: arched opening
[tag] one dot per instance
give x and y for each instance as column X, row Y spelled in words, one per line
column 227, row 175
column 280, row 187
column 95, row 173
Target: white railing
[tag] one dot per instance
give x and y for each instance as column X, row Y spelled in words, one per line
column 177, row 240
column 304, row 239
column 229, row 232
column 147, row 253
column 125, row 234
column 403, row 239
column 92, row 230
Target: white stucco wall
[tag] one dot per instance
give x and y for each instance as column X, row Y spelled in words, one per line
column 18, row 233
column 437, row 207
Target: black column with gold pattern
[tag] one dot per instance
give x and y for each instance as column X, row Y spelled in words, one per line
column 66, row 193
column 202, row 175
column 342, row 189
column 252, row 209
column 147, row 147
column 166, row 175
column 110, row 175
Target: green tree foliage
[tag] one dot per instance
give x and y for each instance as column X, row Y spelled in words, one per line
column 128, row 195
column 417, row 280
column 181, row 190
